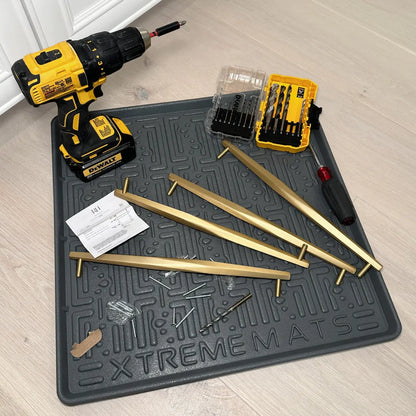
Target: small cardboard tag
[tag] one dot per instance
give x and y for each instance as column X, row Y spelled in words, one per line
column 93, row 338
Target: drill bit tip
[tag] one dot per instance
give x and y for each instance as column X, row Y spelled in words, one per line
column 224, row 314
column 163, row 30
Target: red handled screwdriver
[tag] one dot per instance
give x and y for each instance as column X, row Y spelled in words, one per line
column 335, row 194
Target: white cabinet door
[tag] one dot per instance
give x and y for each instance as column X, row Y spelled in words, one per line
column 16, row 40
column 30, row 25
column 62, row 19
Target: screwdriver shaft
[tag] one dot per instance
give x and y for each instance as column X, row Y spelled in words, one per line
column 315, row 156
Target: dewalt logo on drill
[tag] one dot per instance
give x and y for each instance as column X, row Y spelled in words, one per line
column 102, row 127
column 102, row 165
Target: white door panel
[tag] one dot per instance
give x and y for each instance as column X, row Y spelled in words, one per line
column 78, row 18
column 16, row 40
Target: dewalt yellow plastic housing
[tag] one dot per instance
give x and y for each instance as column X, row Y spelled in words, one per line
column 285, row 123
column 276, row 112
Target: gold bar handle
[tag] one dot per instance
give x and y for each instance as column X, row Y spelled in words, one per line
column 260, row 222
column 285, row 192
column 184, row 265
column 209, row 227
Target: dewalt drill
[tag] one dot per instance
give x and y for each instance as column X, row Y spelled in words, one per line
column 71, row 74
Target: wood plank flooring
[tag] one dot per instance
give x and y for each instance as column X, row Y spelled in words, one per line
column 362, row 54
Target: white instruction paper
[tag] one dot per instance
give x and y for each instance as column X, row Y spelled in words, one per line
column 105, row 224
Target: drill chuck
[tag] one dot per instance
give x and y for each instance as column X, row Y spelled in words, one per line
column 103, row 53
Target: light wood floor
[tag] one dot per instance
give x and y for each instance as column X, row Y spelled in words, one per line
column 362, row 56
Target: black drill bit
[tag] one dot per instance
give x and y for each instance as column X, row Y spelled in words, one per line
column 300, row 118
column 270, row 105
column 289, row 90
column 279, row 107
column 224, row 314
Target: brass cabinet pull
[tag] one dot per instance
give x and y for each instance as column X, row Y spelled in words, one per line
column 210, row 227
column 260, row 222
column 285, row 192
column 184, row 265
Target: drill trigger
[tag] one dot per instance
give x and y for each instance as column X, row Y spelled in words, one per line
column 98, row 91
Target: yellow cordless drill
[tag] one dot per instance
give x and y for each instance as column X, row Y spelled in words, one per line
column 71, row 73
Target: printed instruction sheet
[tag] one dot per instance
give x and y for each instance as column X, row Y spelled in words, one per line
column 106, row 224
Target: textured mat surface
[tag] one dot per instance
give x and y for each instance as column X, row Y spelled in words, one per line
column 312, row 316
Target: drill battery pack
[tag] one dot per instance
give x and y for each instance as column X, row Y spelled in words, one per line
column 108, row 144
column 277, row 112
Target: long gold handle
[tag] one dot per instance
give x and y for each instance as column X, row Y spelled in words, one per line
column 285, row 192
column 184, row 265
column 260, row 222
column 209, row 227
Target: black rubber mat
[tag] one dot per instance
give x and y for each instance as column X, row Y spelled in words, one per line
column 312, row 316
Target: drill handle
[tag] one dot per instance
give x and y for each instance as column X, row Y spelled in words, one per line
column 73, row 114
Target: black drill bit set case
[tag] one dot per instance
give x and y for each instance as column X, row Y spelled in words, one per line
column 277, row 112
column 311, row 317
